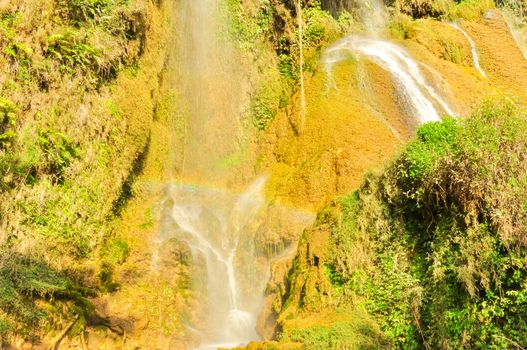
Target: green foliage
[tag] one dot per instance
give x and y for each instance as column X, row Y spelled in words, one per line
column 402, row 27
column 433, row 141
column 56, row 202
column 357, row 334
column 8, row 111
column 265, row 105
column 424, row 8
column 58, row 152
column 285, row 67
column 72, row 51
column 442, row 234
column 248, row 30
column 84, row 10
column 468, row 9
column 23, row 281
column 453, row 52
column 115, row 251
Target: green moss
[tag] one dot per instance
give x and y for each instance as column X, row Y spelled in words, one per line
column 265, row 106
column 470, row 9
column 248, row 31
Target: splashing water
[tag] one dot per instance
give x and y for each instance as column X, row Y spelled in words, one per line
column 220, row 228
column 217, row 227
column 422, row 99
column 474, row 49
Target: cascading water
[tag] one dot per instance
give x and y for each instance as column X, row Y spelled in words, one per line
column 219, row 228
column 515, row 28
column 474, row 49
column 218, row 224
column 421, row 98
column 514, row 15
column 373, row 14
column 213, row 89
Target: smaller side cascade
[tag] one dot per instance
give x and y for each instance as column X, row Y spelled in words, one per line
column 474, row 49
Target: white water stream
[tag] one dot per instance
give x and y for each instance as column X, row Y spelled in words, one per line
column 518, row 32
column 221, row 229
column 423, row 101
column 218, row 224
column 474, row 49
column 217, row 227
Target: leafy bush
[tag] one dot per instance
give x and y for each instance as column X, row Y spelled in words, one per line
column 265, row 105
column 58, row 152
column 72, row 51
column 23, row 281
column 8, row 112
column 468, row 9
column 358, row 334
column 79, row 11
column 443, row 235
column 248, row 30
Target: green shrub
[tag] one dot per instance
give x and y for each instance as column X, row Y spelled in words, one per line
column 24, row 281
column 80, row 11
column 72, row 51
column 468, row 9
column 443, row 235
column 265, row 104
column 115, row 251
column 58, row 152
column 358, row 334
column 8, row 111
column 247, row 30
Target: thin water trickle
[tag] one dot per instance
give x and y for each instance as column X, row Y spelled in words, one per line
column 301, row 63
column 474, row 49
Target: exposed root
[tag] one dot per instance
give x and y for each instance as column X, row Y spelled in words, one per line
column 56, row 343
column 83, row 341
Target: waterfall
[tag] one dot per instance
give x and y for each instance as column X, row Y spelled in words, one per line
column 475, row 54
column 213, row 88
column 423, row 101
column 215, row 224
column 420, row 97
column 219, row 226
